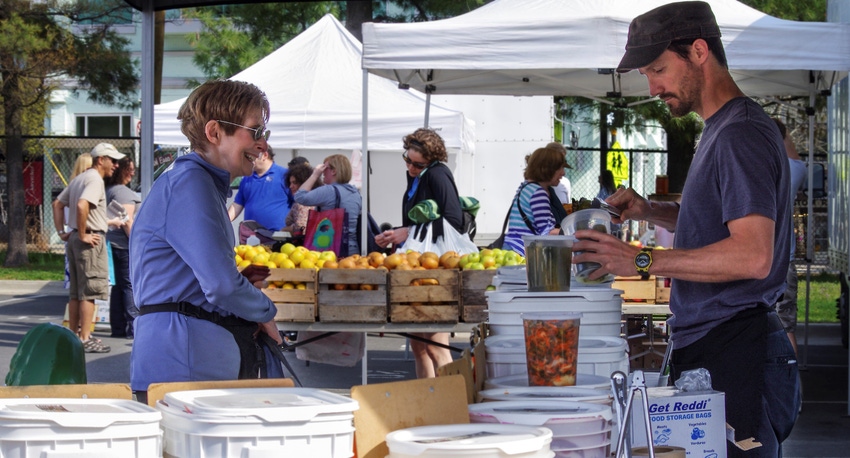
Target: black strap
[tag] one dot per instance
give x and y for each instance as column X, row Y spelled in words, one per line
column 185, row 308
column 521, row 213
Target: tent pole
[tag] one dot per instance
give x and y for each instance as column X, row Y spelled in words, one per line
column 810, row 111
column 427, row 107
column 364, row 175
column 146, row 158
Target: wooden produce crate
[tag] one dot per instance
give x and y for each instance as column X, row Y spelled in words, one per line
column 662, row 290
column 293, row 305
column 473, row 301
column 353, row 296
column 411, row 303
column 635, row 289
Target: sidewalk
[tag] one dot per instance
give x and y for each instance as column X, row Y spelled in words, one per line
column 14, row 287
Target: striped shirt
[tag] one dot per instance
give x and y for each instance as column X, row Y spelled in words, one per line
column 534, row 200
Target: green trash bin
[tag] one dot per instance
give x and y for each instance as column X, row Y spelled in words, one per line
column 48, row 354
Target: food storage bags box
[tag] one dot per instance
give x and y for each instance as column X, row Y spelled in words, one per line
column 33, row 427
column 257, row 422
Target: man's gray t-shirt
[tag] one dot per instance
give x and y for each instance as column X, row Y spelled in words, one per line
column 740, row 168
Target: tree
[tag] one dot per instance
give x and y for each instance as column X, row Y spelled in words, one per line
column 37, row 47
column 235, row 37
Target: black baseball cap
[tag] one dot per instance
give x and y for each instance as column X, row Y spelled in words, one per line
column 298, row 160
column 652, row 32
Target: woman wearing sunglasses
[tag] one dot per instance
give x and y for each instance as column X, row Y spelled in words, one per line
column 198, row 315
column 428, row 177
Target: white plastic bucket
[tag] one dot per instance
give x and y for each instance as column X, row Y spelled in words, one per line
column 505, row 355
column 470, row 440
column 600, row 355
column 521, row 380
column 257, row 422
column 33, row 427
column 586, row 424
column 601, row 309
column 548, row 393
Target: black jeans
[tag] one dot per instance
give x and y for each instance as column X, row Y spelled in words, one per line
column 122, row 309
column 751, row 360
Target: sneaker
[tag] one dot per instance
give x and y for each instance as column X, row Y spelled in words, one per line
column 95, row 346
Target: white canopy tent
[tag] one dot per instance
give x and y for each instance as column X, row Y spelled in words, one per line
column 557, row 47
column 314, row 86
column 570, row 47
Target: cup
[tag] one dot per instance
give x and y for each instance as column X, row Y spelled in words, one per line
column 551, row 347
column 548, row 259
column 591, row 218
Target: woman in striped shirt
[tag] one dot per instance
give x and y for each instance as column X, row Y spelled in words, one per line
column 532, row 212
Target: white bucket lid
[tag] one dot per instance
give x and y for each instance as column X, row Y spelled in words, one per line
column 544, row 393
column 505, row 344
column 502, row 298
column 601, row 344
column 582, row 380
column 76, row 413
column 509, row 439
column 269, row 404
column 538, row 413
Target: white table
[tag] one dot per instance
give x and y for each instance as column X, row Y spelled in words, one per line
column 402, row 329
column 646, row 310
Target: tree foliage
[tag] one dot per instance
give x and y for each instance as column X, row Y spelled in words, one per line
column 38, row 47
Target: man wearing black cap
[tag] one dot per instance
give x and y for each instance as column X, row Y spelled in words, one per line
column 729, row 259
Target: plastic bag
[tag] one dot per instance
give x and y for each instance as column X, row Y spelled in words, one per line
column 694, row 380
column 340, row 349
column 419, row 240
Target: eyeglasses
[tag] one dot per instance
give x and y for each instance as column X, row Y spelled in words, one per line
column 407, row 161
column 259, row 132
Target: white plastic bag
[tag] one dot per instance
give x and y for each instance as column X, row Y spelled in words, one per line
column 419, row 239
column 340, row 349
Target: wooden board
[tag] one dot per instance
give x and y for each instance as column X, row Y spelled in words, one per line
column 94, row 391
column 438, row 303
column 352, row 305
column 157, row 391
column 387, row 407
column 473, row 300
column 635, row 289
column 293, row 305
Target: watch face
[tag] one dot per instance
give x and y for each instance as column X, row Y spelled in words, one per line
column 642, row 260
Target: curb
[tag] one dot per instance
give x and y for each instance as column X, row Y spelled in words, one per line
column 45, row 288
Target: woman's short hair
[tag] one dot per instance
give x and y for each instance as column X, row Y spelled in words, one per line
column 428, row 143
column 542, row 164
column 342, row 166
column 301, row 173
column 225, row 100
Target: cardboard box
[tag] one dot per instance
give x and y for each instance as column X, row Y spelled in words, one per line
column 695, row 421
column 636, row 289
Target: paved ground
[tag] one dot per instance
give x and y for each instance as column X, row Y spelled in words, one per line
column 823, row 429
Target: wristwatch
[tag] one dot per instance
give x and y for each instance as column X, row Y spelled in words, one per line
column 642, row 262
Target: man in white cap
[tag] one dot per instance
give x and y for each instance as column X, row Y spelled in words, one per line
column 88, row 264
column 730, row 254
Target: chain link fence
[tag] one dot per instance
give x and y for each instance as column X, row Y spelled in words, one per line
column 49, row 162
column 48, row 166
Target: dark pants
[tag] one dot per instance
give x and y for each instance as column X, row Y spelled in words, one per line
column 751, row 360
column 122, row 309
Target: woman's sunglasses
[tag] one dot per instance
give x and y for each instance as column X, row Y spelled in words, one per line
column 407, row 161
column 259, row 132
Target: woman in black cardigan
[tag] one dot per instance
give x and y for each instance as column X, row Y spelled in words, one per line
column 428, row 177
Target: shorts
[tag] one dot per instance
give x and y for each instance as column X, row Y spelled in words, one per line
column 751, row 360
column 786, row 306
column 88, row 268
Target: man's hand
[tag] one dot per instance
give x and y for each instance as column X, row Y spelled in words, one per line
column 256, row 275
column 615, row 256
column 631, row 205
column 90, row 239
